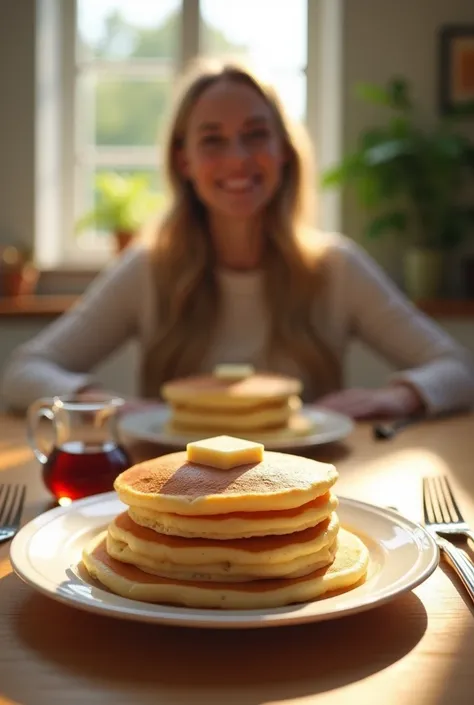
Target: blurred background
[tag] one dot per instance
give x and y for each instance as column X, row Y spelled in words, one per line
column 86, row 86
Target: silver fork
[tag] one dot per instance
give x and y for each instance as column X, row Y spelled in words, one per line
column 435, row 522
column 12, row 500
column 446, row 517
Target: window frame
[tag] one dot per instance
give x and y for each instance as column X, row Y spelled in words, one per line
column 56, row 244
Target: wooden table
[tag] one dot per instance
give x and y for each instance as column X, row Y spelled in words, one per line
column 416, row 650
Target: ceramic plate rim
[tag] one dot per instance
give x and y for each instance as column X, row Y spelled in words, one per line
column 133, row 425
column 225, row 619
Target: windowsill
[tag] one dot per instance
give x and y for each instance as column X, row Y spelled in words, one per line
column 56, row 304
column 43, row 305
column 447, row 308
column 71, row 271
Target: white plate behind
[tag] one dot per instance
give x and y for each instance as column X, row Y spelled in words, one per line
column 150, row 425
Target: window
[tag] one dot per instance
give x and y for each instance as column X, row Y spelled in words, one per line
column 236, row 28
column 105, row 78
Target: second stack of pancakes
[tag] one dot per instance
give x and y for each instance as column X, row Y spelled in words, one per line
column 186, row 521
column 235, row 400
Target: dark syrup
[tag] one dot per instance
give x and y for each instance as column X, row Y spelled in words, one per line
column 76, row 469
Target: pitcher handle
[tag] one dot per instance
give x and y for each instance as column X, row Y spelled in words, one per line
column 42, row 408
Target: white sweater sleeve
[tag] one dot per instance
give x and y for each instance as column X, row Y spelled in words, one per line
column 60, row 359
column 379, row 314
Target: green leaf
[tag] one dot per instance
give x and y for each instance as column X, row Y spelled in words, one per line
column 348, row 170
column 400, row 127
column 389, row 222
column 455, row 226
column 387, row 151
column 399, row 93
column 372, row 137
column 373, row 93
column 397, row 164
column 450, row 146
column 332, row 177
column 394, row 95
column 121, row 203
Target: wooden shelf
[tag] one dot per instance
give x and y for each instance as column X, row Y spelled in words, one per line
column 47, row 305
column 447, row 308
column 55, row 305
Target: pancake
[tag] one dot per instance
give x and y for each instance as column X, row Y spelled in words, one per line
column 224, row 571
column 292, row 403
column 210, row 391
column 261, row 416
column 254, row 403
column 172, row 484
column 237, row 525
column 348, row 568
column 298, row 425
column 256, row 550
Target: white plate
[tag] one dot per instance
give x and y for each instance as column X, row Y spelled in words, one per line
column 46, row 553
column 150, row 425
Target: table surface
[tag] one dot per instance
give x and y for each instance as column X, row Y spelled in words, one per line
column 416, row 650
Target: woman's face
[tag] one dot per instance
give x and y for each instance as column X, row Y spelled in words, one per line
column 233, row 152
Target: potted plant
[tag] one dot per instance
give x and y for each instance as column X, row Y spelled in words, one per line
column 122, row 205
column 413, row 181
column 18, row 273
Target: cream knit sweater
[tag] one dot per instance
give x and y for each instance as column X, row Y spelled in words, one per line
column 359, row 301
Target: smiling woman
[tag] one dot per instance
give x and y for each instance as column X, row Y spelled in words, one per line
column 234, row 273
column 242, row 186
column 235, row 164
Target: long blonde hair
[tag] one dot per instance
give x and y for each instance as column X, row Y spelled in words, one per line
column 183, row 261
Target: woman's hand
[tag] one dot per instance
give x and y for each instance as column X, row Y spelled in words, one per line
column 388, row 402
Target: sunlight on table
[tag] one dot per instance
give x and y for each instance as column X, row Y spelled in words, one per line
column 393, row 479
column 14, row 456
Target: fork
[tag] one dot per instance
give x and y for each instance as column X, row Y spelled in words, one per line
column 386, row 431
column 12, row 500
column 435, row 522
column 445, row 515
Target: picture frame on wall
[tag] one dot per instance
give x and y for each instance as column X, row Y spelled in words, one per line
column 456, row 70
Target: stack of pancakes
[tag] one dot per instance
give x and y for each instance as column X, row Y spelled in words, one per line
column 250, row 406
column 258, row 535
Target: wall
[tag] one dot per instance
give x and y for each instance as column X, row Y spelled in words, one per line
column 383, row 38
column 17, row 121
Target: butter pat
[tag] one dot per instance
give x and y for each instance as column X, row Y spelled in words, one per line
column 233, row 371
column 224, row 452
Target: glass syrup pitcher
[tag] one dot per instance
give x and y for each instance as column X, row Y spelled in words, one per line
column 86, row 455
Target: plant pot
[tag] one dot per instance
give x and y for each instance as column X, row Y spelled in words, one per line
column 123, row 238
column 423, row 273
column 18, row 281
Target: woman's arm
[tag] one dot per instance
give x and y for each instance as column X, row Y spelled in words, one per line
column 438, row 370
column 60, row 359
